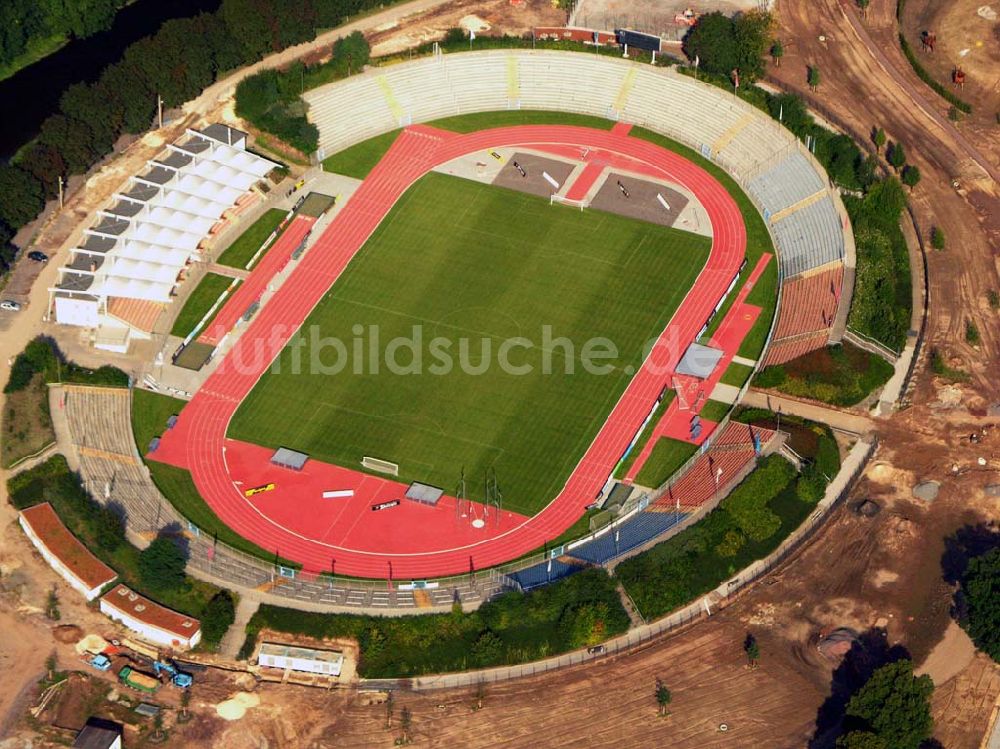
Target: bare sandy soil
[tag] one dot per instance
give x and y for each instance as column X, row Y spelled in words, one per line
column 968, row 36
column 485, row 17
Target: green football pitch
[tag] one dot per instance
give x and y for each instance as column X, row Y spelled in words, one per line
column 471, row 267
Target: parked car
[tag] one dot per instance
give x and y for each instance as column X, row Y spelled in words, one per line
column 10, row 305
column 38, row 257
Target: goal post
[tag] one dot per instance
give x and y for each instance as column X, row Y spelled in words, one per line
column 553, row 198
column 382, row 466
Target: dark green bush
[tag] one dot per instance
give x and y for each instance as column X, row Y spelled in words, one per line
column 575, row 612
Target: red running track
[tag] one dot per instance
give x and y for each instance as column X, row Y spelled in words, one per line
column 198, row 441
column 274, row 260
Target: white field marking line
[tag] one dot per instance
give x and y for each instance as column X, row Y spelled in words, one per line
column 459, row 329
column 649, row 144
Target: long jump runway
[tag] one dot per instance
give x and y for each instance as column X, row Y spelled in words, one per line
column 198, row 441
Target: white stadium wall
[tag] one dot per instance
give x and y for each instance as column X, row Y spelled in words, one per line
column 79, row 312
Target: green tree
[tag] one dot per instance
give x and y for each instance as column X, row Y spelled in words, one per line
column 752, row 32
column 878, row 138
column 752, row 649
column 911, row 176
column 390, row 706
column 861, row 740
column 218, row 616
column 894, row 705
column 777, row 52
column 863, row 5
column 896, row 156
column 813, row 77
column 937, row 238
column 350, row 53
column 488, row 648
column 980, row 602
column 712, row 41
column 405, row 724
column 663, row 697
column 52, row 605
column 161, row 565
column 185, row 703
column 21, row 196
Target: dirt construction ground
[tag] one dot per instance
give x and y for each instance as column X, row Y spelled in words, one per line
column 968, row 36
column 856, row 572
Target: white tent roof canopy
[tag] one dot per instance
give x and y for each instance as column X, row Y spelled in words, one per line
column 169, row 210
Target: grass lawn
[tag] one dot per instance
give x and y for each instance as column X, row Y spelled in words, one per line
column 736, row 374
column 715, row 410
column 27, row 425
column 765, row 293
column 150, row 412
column 509, row 265
column 177, row 486
column 238, row 254
column 469, row 123
column 667, row 456
column 625, row 465
column 36, row 48
column 840, row 375
column 358, row 160
column 205, row 294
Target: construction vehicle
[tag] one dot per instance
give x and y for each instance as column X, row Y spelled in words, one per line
column 100, row 661
column 138, row 680
column 178, row 678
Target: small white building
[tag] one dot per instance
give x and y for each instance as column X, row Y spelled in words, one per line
column 154, row 623
column 294, row 658
column 64, row 552
column 129, row 264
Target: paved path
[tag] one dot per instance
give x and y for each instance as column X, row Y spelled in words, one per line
column 232, row 641
column 844, row 421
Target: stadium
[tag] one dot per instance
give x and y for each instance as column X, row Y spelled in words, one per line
column 504, row 203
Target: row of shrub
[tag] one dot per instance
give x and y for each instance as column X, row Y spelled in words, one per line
column 176, row 63
column 921, row 72
column 747, row 525
column 43, row 356
column 930, row 80
column 581, row 610
column 157, row 572
column 882, row 301
column 841, row 375
column 584, row 609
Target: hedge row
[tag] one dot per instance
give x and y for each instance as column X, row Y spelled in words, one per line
column 42, row 355
column 581, row 610
column 930, row 80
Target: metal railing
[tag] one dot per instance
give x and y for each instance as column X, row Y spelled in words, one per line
column 698, row 609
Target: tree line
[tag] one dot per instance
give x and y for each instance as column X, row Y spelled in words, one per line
column 176, row 63
column 23, row 22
